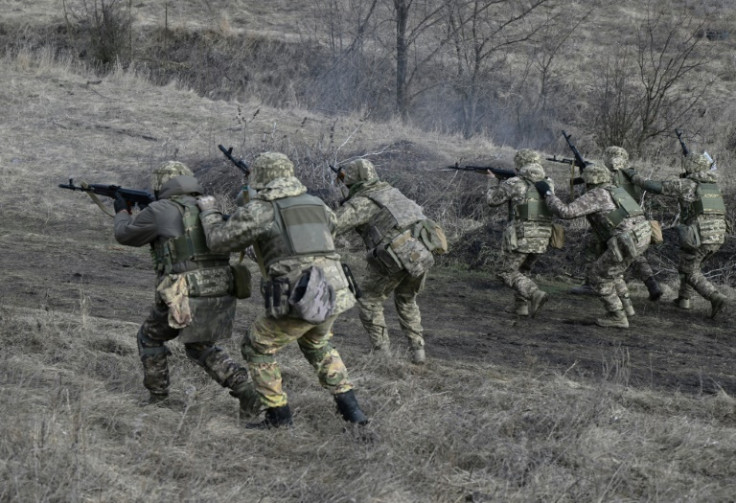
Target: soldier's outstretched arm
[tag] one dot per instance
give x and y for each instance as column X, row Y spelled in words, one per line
column 584, row 205
column 239, row 231
column 354, row 213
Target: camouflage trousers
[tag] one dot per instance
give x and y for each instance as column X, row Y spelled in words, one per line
column 515, row 271
column 691, row 277
column 268, row 335
column 376, row 288
column 606, row 277
column 152, row 337
column 592, row 249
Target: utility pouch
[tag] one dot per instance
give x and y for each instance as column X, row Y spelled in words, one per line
column 241, row 281
column 313, row 298
column 352, row 284
column 627, row 245
column 657, row 236
column 432, row 236
column 689, row 237
column 384, row 259
column 276, row 297
column 612, row 244
column 510, row 242
column 412, row 254
column 174, row 292
column 557, row 238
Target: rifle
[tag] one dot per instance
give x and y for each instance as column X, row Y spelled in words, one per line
column 685, row 150
column 499, row 173
column 239, row 163
column 132, row 197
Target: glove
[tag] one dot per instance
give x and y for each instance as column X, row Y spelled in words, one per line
column 543, row 187
column 120, row 203
column 206, row 203
column 629, row 172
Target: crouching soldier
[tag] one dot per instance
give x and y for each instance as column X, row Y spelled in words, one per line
column 528, row 229
column 304, row 285
column 194, row 300
column 702, row 228
column 620, row 226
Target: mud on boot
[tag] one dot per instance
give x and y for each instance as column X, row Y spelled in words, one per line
column 717, row 303
column 655, row 292
column 539, row 298
column 615, row 319
column 250, row 400
column 276, row 417
column 348, row 408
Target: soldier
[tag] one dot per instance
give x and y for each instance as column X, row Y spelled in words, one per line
column 303, row 285
column 193, row 299
column 616, row 159
column 400, row 241
column 619, row 224
column 528, row 229
column 702, row 227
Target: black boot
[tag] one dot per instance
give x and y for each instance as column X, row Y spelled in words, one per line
column 276, row 417
column 347, row 406
column 654, row 291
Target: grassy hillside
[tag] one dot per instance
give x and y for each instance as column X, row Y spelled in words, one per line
column 549, row 409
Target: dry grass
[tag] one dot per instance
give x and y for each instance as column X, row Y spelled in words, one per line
column 74, row 426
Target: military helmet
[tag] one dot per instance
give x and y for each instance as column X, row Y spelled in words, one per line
column 697, row 162
column 269, row 166
column 526, row 156
column 166, row 171
column 615, row 158
column 532, row 172
column 596, row 174
column 359, row 170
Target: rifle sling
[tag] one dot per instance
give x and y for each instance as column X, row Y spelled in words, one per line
column 96, row 200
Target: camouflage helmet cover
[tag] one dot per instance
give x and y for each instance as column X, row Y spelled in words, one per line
column 695, row 163
column 532, row 172
column 526, row 156
column 359, row 170
column 615, row 158
column 269, row 166
column 596, row 174
column 166, row 171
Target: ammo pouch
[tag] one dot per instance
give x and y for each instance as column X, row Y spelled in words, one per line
column 509, row 238
column 313, row 298
column 557, row 238
column 276, row 296
column 209, row 281
column 657, row 236
column 623, row 246
column 431, row 235
column 689, row 236
column 241, row 281
column 411, row 254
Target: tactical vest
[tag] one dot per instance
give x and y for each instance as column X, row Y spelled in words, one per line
column 623, row 181
column 708, row 201
column 189, row 247
column 301, row 227
column 626, row 207
column 534, row 209
column 397, row 214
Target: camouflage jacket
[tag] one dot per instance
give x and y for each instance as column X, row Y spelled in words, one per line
column 252, row 224
column 530, row 235
column 712, row 227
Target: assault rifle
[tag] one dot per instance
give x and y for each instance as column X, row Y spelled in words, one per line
column 132, row 197
column 685, row 150
column 499, row 173
column 239, row 163
column 578, row 158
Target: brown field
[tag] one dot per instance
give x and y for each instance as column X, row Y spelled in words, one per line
column 506, row 409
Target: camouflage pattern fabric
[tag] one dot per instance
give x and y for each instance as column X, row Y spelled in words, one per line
column 268, row 167
column 359, row 170
column 166, row 171
column 376, row 288
column 526, row 156
column 175, row 294
column 606, row 274
column 267, row 336
column 514, row 273
column 217, row 363
column 691, row 275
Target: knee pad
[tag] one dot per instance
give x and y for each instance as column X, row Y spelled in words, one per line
column 150, row 347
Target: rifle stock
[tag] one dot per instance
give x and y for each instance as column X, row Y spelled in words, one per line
column 500, row 173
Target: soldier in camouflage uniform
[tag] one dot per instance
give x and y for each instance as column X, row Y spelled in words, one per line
column 528, row 231
column 702, row 226
column 622, row 230
column 303, row 285
column 398, row 258
column 193, row 299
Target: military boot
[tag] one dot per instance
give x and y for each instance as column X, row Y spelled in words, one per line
column 655, row 292
column 628, row 307
column 520, row 307
column 347, row 406
column 682, row 302
column 418, row 356
column 717, row 303
column 250, row 400
column 539, row 298
column 276, row 417
column 614, row 319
